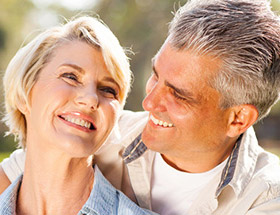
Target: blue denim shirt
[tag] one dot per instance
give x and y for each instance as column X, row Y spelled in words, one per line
column 104, row 199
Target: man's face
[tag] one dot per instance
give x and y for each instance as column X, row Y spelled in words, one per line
column 185, row 117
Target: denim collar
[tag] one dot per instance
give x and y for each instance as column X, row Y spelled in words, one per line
column 8, row 198
column 229, row 169
column 101, row 200
column 134, row 150
column 105, row 199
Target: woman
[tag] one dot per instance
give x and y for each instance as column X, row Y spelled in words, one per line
column 63, row 93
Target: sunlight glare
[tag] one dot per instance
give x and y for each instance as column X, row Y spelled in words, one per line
column 67, row 4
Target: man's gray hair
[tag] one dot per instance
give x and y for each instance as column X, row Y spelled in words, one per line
column 245, row 34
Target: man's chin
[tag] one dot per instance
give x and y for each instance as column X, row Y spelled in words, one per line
column 151, row 141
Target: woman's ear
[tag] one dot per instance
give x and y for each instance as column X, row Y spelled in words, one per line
column 241, row 118
column 22, row 106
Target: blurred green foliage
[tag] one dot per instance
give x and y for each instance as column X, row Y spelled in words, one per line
column 140, row 25
column 4, row 155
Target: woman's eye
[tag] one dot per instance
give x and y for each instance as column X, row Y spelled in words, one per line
column 109, row 92
column 70, row 77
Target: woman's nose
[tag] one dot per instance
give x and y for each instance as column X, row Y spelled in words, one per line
column 89, row 99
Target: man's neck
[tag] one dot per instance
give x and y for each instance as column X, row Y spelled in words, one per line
column 197, row 162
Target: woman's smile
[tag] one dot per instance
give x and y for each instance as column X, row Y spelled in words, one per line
column 78, row 120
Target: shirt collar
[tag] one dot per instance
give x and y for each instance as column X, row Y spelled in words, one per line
column 238, row 170
column 102, row 197
column 9, row 197
column 134, row 150
column 245, row 162
column 101, row 200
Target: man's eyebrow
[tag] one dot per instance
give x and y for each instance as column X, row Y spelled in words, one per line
column 155, row 71
column 183, row 92
column 180, row 91
column 74, row 66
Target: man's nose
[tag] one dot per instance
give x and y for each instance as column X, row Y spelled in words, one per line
column 154, row 100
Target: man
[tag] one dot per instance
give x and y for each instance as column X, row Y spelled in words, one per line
column 216, row 75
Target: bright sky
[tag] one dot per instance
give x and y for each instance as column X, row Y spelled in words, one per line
column 68, row 4
column 44, row 17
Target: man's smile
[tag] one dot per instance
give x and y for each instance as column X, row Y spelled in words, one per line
column 160, row 122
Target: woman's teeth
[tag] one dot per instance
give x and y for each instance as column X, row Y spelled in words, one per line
column 78, row 121
column 159, row 122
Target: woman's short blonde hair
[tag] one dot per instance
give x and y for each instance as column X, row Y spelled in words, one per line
column 24, row 68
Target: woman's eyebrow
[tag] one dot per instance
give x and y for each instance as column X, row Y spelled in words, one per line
column 110, row 79
column 74, row 66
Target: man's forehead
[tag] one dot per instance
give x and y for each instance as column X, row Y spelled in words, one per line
column 171, row 57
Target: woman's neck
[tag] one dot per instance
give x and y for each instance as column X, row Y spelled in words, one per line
column 54, row 183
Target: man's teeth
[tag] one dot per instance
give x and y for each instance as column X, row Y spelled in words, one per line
column 78, row 121
column 159, row 122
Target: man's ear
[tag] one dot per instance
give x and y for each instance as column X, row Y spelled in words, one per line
column 241, row 118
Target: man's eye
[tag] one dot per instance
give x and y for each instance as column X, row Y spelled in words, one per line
column 154, row 75
column 177, row 96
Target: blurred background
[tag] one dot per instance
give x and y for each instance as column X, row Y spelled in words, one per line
column 140, row 25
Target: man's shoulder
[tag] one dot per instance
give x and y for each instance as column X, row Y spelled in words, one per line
column 257, row 162
column 268, row 168
column 130, row 118
column 131, row 124
column 256, row 178
column 267, row 173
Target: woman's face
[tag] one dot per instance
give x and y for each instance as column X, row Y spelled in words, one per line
column 74, row 102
